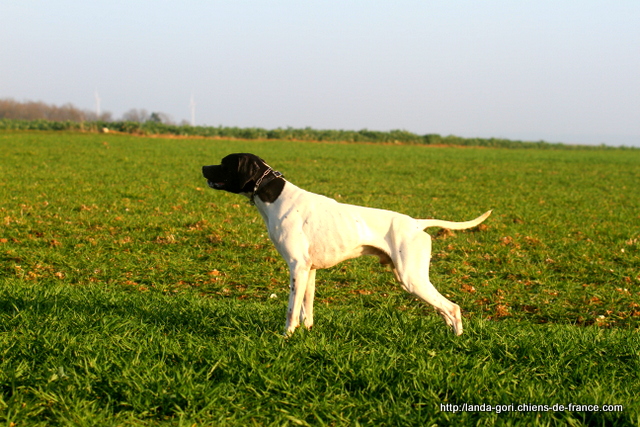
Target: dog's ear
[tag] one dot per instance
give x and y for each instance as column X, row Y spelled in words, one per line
column 250, row 167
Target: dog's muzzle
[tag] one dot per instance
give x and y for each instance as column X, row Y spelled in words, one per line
column 208, row 173
column 215, row 185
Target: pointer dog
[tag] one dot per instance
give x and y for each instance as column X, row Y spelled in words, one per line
column 311, row 231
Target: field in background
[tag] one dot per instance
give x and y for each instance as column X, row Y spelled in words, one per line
column 132, row 293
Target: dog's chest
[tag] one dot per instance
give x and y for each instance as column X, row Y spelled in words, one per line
column 313, row 228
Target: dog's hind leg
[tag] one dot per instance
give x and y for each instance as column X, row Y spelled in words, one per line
column 449, row 311
column 412, row 259
column 306, row 314
column 298, row 285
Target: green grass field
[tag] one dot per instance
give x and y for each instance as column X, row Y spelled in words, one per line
column 132, row 294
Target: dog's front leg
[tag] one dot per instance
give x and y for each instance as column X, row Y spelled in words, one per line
column 306, row 314
column 299, row 278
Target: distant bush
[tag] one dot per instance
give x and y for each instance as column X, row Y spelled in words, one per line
column 151, row 127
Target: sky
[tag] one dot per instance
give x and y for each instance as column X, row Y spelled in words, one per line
column 559, row 71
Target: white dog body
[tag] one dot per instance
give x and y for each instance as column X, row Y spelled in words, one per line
column 311, row 231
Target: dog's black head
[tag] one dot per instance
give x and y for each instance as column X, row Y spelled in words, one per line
column 246, row 174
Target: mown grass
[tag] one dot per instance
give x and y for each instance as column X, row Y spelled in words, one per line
column 133, row 295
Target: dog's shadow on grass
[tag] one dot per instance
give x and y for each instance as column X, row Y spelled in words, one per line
column 115, row 310
column 112, row 308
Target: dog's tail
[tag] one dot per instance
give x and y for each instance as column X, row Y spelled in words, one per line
column 451, row 225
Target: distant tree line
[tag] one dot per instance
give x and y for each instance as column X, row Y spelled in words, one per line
column 38, row 110
column 39, row 116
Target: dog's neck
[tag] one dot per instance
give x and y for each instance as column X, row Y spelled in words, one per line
column 268, row 187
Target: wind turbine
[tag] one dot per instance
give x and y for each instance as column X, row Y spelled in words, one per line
column 192, row 105
column 97, row 104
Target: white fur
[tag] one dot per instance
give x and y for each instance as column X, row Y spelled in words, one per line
column 311, row 231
